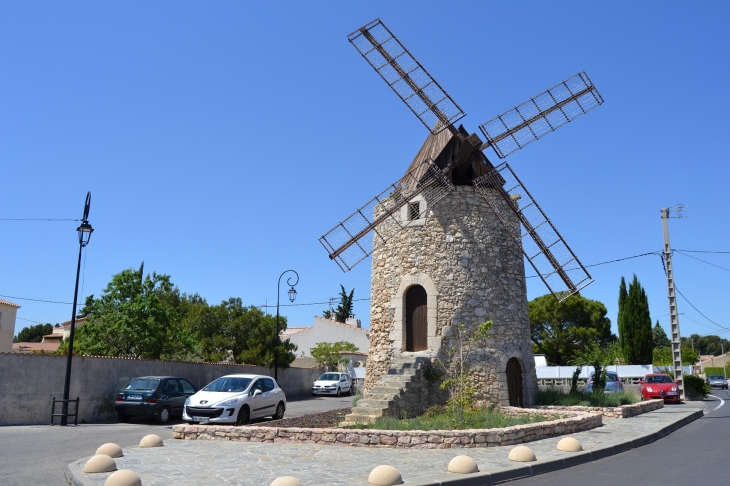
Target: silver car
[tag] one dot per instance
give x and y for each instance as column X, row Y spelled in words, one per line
column 236, row 399
column 717, row 381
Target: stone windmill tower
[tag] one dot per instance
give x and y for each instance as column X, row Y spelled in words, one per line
column 448, row 238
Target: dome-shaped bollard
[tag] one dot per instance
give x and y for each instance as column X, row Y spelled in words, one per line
column 569, row 444
column 286, row 481
column 522, row 454
column 151, row 440
column 123, row 477
column 463, row 465
column 385, row 476
column 100, row 463
column 110, row 449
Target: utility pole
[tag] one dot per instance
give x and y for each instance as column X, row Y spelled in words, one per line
column 673, row 315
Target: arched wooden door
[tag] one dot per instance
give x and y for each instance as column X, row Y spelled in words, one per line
column 416, row 319
column 514, row 382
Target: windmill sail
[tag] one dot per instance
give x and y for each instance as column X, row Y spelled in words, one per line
column 542, row 245
column 411, row 82
column 540, row 115
column 353, row 240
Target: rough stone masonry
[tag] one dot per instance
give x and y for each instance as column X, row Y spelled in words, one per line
column 472, row 271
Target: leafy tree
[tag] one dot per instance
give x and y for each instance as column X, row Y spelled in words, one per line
column 663, row 356
column 559, row 330
column 344, row 309
column 659, row 337
column 634, row 323
column 33, row 334
column 133, row 318
column 707, row 345
column 330, row 354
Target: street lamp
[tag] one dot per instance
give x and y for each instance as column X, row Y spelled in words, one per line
column 292, row 296
column 84, row 231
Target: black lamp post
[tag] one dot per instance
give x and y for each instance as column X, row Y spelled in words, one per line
column 292, row 296
column 84, row 231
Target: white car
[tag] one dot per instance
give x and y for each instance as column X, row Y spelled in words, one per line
column 333, row 384
column 236, row 399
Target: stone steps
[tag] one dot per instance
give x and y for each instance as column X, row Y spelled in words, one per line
column 384, row 398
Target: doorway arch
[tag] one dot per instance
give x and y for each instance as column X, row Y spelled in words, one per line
column 514, row 382
column 416, row 319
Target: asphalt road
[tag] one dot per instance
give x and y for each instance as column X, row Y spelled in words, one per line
column 38, row 454
column 695, row 454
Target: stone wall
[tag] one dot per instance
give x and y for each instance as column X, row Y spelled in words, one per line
column 472, row 271
column 411, row 439
column 28, row 383
column 624, row 411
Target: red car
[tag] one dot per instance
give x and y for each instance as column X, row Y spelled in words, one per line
column 657, row 385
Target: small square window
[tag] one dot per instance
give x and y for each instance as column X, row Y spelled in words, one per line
column 414, row 211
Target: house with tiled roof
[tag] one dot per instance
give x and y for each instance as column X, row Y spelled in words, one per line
column 8, row 311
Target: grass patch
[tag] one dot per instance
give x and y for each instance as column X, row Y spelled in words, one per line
column 553, row 396
column 437, row 419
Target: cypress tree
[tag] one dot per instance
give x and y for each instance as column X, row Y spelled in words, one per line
column 635, row 331
column 661, row 340
column 623, row 338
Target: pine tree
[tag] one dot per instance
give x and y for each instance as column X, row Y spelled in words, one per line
column 661, row 340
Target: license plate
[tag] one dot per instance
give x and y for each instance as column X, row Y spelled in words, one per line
column 671, row 393
column 134, row 397
column 202, row 420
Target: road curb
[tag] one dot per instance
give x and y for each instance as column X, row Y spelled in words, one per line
column 551, row 465
column 75, row 474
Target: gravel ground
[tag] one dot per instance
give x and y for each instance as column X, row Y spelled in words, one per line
column 312, row 421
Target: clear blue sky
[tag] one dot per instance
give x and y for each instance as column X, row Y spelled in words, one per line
column 221, row 141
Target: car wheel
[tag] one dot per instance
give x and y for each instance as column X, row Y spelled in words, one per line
column 279, row 411
column 163, row 417
column 123, row 417
column 244, row 416
column 339, row 392
column 349, row 391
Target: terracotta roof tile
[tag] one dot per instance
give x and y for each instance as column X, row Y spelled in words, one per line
column 7, row 302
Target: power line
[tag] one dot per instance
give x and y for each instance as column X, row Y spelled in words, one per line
column 30, row 320
column 695, row 308
column 610, row 261
column 38, row 219
column 701, row 251
column 700, row 260
column 309, row 303
column 37, row 300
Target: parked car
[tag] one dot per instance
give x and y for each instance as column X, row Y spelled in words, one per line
column 659, row 385
column 717, row 381
column 333, row 384
column 613, row 383
column 161, row 397
column 236, row 399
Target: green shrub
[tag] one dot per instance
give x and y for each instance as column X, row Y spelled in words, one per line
column 356, row 399
column 435, row 419
column 554, row 396
column 697, row 384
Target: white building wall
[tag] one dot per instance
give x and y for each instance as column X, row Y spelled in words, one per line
column 327, row 331
column 7, row 327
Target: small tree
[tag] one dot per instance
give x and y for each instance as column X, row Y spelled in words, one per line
column 330, row 354
column 33, row 334
column 459, row 382
column 574, row 379
column 344, row 308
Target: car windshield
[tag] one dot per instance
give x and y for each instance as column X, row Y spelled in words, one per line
column 658, row 379
column 611, row 377
column 330, row 377
column 141, row 384
column 716, row 377
column 228, row 384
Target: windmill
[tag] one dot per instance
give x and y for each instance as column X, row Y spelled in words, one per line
column 462, row 159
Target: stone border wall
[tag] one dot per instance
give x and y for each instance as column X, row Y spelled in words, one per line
column 624, row 411
column 576, row 421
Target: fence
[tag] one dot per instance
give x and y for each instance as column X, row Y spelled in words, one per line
column 28, row 383
column 629, row 374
